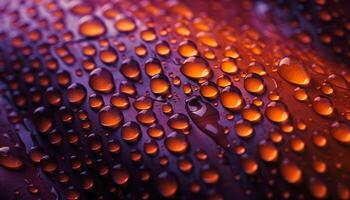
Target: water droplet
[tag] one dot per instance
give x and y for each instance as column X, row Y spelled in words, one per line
column 101, row 80
column 244, row 129
column 148, row 35
column 108, row 56
column 291, row 172
column 160, row 85
column 251, row 113
column 167, row 184
column 300, row 94
column 277, row 112
column 228, row 65
column 187, row 49
column 153, row 67
column 196, row 68
column 250, row 166
column 96, row 101
column 322, row 106
column 209, row 90
column 209, row 175
column 146, row 117
column 143, row 103
column 179, row 122
column 131, row 70
column 120, row 101
column 207, row 39
column 162, row 48
column 231, row 98
column 254, row 83
column 92, row 28
column 317, row 188
column 125, row 25
column 82, row 9
column 131, row 132
column 110, row 117
column 341, row 132
column 176, row 143
column 267, row 151
column 120, row 175
column 9, row 160
column 293, row 72
column 256, row 68
column 155, row 131
column 76, row 93
column 43, row 122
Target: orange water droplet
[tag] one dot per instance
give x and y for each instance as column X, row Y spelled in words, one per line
column 341, row 132
column 343, row 191
column 207, row 39
column 250, row 166
column 167, row 184
column 131, row 70
column 163, row 49
column 125, row 25
column 223, row 81
column 110, row 117
column 43, row 122
column 277, row 112
column 120, row 101
column 209, row 90
column 176, row 143
column 92, row 28
column 318, row 189
column 108, row 56
column 101, row 80
column 319, row 166
column 76, row 93
column 151, row 148
column 337, row 81
column 293, row 72
column 131, row 132
column 322, row 106
column 82, row 9
column 146, row 117
column 251, row 113
column 143, row 103
column 187, row 49
column 148, row 35
column 96, row 101
column 120, row 175
column 153, row 67
column 319, row 140
column 254, row 83
column 179, row 122
column 160, row 85
column 267, row 151
column 244, row 129
column 228, row 65
column 256, row 68
column 209, row 175
column 231, row 98
column 141, row 50
column 196, row 68
column 300, row 94
column 297, row 144
column 182, row 30
column 9, row 160
column 127, row 88
column 156, row 132
column 291, row 172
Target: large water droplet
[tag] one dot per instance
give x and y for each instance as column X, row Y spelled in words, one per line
column 293, row 72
